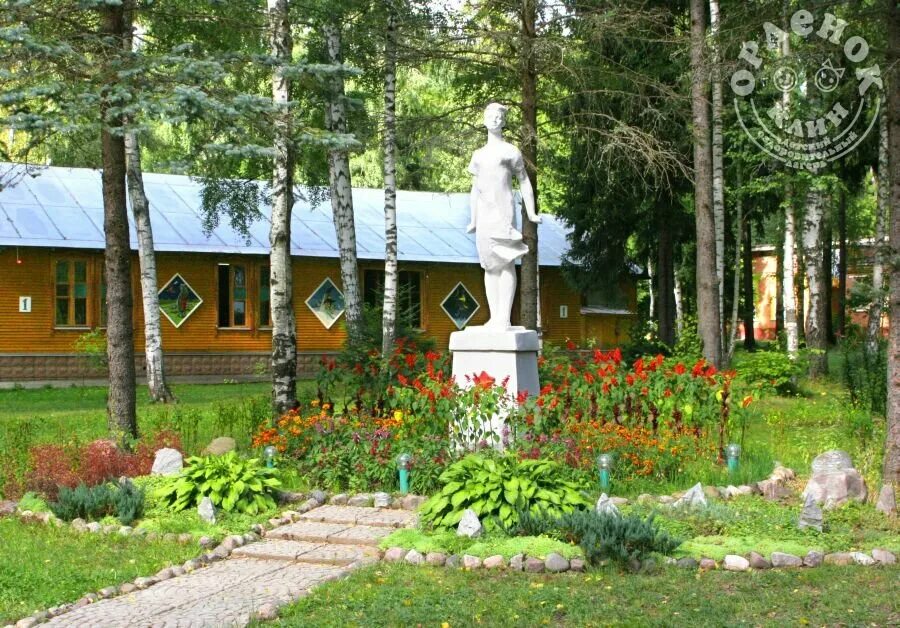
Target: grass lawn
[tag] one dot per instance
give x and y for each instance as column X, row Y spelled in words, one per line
column 42, row 566
column 398, row 595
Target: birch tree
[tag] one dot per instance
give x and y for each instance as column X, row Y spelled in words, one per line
column 813, row 254
column 709, row 322
column 882, row 214
column 284, row 330
column 341, row 186
column 718, row 177
column 529, row 281
column 140, row 209
column 389, row 308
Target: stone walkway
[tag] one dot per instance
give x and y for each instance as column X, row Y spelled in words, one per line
column 323, row 544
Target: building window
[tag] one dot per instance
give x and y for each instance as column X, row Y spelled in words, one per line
column 265, row 311
column 232, row 295
column 71, row 293
column 409, row 310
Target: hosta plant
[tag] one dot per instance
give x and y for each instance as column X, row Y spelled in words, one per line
column 499, row 488
column 234, row 484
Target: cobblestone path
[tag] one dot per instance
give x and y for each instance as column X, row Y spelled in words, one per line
column 324, row 544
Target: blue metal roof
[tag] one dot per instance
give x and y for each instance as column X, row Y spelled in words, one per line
column 63, row 207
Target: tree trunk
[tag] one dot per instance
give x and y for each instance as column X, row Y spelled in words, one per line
column 892, row 438
column 779, row 284
column 389, row 308
column 665, row 277
column 651, row 288
column 827, row 274
column 789, row 295
column 529, row 287
column 281, row 290
column 679, row 305
column 873, row 333
column 735, row 299
column 718, row 179
column 816, row 337
column 842, row 263
column 342, row 192
column 120, row 404
column 709, row 322
column 749, row 300
column 140, row 209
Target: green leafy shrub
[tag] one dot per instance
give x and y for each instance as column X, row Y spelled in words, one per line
column 622, row 539
column 498, row 489
column 865, row 373
column 125, row 502
column 233, row 484
column 769, row 370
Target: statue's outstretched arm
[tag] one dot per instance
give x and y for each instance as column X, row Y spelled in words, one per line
column 528, row 197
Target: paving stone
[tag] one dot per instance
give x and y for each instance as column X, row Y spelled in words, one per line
column 388, row 518
column 312, row 531
column 337, row 514
column 337, row 554
column 276, row 549
column 360, row 535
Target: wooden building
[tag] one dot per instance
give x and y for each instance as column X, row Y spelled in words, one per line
column 214, row 285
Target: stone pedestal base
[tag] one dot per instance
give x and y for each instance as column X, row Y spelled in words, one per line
column 510, row 353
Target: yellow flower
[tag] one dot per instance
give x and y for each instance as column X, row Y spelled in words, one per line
column 398, row 415
column 314, row 403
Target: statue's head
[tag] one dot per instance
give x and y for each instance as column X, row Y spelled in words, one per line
column 495, row 116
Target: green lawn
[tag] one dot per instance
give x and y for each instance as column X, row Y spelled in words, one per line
column 42, row 566
column 398, row 595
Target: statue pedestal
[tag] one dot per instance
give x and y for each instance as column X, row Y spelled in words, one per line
column 509, row 354
column 500, row 353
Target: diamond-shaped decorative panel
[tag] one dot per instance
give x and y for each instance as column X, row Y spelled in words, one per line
column 177, row 300
column 327, row 303
column 460, row 305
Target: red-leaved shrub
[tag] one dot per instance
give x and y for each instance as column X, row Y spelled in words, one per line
column 102, row 460
column 50, row 466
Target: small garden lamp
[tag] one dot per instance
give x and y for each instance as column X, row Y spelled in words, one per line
column 269, row 453
column 604, row 466
column 732, row 454
column 403, row 463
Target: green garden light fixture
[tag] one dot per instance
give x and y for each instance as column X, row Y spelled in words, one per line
column 403, row 463
column 732, row 455
column 269, row 453
column 604, row 466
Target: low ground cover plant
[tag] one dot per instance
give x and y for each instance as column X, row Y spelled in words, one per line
column 232, row 483
column 92, row 503
column 498, row 489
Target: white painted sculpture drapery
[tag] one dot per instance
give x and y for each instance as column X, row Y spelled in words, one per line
column 493, row 209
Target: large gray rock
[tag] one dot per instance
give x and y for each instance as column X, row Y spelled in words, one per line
column 469, row 525
column 733, row 562
column 833, row 488
column 834, row 460
column 207, row 510
column 693, row 498
column 167, row 462
column 605, row 506
column 395, row 554
column 813, row 558
column 414, row 557
column 471, row 562
column 381, row 500
column 758, row 561
column 780, row 559
column 884, row 556
column 555, row 563
column 811, row 515
column 220, row 446
column 887, row 501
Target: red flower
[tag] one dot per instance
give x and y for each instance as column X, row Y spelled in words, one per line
column 629, row 379
column 680, row 369
column 431, row 356
column 402, row 379
column 668, row 393
column 410, row 360
column 617, row 355
column 484, row 380
column 522, row 396
column 570, row 345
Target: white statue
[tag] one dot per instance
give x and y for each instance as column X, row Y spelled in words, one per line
column 493, row 214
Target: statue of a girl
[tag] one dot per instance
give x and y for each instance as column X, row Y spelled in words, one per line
column 493, row 208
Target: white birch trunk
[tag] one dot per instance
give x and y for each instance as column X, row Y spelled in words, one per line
column 813, row 258
column 652, row 289
column 284, row 330
column 341, row 192
column 140, row 209
column 679, row 311
column 718, row 179
column 389, row 307
column 736, row 296
column 789, row 295
column 873, row 333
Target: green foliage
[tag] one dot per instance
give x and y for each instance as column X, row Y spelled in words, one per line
column 31, row 501
column 643, row 339
column 125, row 501
column 498, row 489
column 769, row 371
column 92, row 345
column 231, row 482
column 865, row 373
column 688, row 346
column 602, row 537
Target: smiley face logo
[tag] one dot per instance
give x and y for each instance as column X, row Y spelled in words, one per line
column 828, row 77
column 784, row 78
